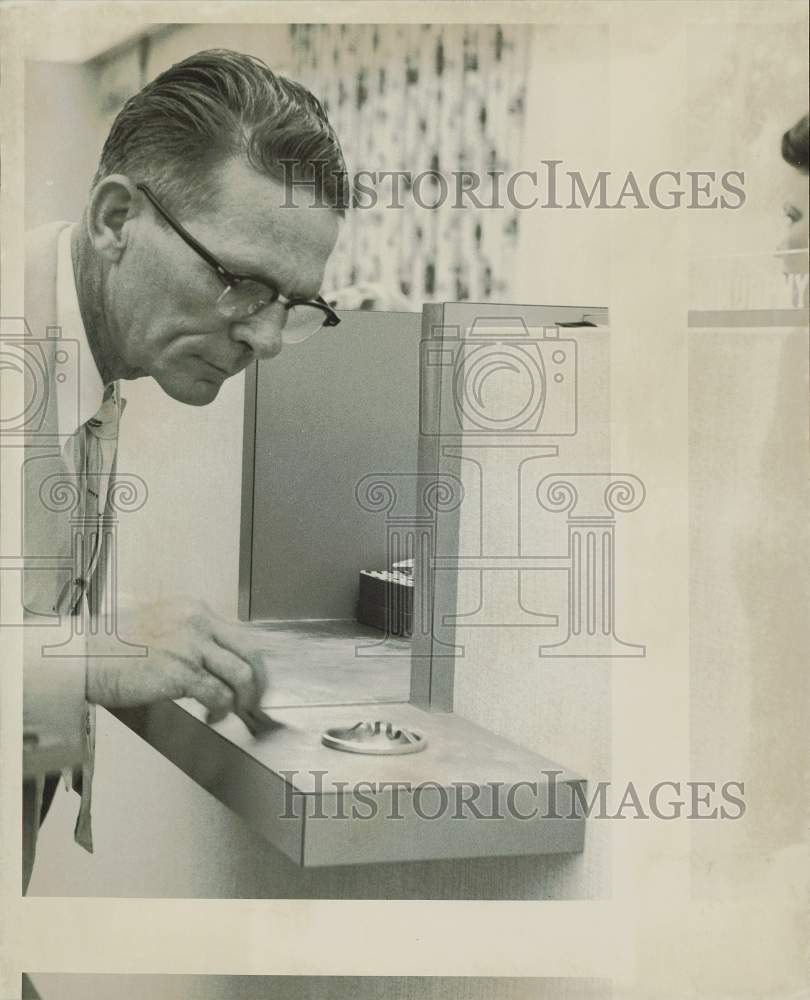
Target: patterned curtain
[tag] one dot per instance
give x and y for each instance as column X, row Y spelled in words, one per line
column 423, row 98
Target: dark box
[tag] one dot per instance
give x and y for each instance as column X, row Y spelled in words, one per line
column 386, row 604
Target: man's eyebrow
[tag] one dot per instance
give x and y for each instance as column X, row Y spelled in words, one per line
column 289, row 291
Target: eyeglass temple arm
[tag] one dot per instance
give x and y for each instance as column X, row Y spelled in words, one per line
column 332, row 319
column 184, row 234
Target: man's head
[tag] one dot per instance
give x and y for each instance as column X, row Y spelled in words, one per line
column 221, row 143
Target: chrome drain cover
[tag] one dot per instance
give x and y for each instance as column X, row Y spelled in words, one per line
column 374, row 737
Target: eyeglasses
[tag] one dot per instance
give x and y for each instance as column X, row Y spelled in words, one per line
column 244, row 295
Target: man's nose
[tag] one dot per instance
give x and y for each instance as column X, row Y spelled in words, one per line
column 262, row 332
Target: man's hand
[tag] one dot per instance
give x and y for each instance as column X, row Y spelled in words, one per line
column 192, row 653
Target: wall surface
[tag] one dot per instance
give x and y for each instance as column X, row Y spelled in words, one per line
column 563, row 254
column 63, row 140
column 750, row 590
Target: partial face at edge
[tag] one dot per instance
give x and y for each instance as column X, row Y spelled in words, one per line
column 796, row 199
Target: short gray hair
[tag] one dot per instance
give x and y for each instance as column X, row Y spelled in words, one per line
column 215, row 105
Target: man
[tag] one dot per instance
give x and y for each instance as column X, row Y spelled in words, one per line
column 202, row 248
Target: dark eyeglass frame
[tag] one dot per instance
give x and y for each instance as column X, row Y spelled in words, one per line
column 231, row 279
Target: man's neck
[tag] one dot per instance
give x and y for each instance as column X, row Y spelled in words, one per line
column 88, row 275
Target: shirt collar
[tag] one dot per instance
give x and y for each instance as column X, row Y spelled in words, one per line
column 89, row 385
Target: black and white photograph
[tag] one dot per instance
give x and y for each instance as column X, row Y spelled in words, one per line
column 405, row 474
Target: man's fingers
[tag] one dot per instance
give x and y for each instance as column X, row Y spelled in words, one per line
column 233, row 671
column 211, row 692
column 247, row 644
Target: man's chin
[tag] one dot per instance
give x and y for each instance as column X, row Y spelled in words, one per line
column 201, row 392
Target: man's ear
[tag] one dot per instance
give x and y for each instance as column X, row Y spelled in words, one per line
column 112, row 202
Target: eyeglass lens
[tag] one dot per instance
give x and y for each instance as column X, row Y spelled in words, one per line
column 248, row 297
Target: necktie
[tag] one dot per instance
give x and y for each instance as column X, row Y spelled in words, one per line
column 96, row 447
